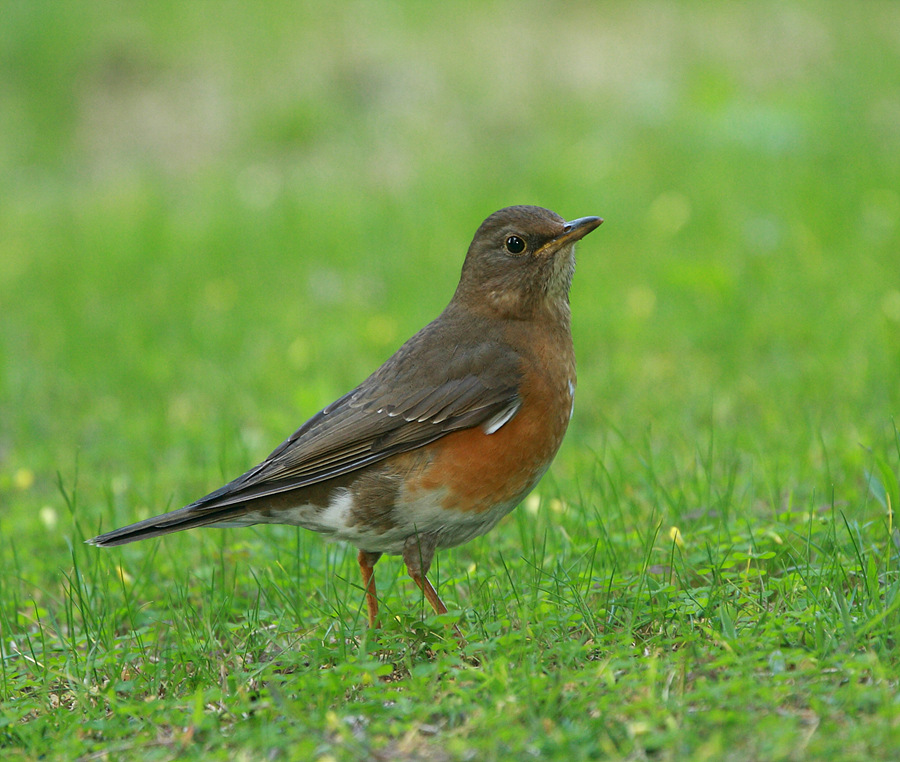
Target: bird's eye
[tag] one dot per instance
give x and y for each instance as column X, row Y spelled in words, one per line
column 515, row 245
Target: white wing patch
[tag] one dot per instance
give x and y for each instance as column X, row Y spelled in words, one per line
column 498, row 420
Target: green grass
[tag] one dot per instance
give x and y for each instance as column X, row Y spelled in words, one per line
column 214, row 222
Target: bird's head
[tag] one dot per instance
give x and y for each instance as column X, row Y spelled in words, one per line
column 521, row 262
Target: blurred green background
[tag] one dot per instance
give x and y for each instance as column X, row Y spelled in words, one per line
column 215, row 218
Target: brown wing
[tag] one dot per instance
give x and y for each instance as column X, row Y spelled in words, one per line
column 432, row 385
column 426, row 390
column 358, row 430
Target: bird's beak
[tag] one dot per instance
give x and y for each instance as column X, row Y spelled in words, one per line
column 573, row 231
column 578, row 229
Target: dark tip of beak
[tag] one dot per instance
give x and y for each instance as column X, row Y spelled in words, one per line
column 578, row 229
column 587, row 223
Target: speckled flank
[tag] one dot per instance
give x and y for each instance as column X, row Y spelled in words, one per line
column 376, row 494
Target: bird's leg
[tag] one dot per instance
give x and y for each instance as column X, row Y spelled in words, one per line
column 417, row 555
column 367, row 563
column 418, row 551
column 428, row 589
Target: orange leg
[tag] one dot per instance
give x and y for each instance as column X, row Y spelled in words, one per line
column 367, row 562
column 435, row 600
column 417, row 555
column 428, row 589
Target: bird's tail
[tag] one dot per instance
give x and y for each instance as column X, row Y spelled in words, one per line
column 175, row 521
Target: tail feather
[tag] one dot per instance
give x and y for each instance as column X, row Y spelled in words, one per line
column 166, row 523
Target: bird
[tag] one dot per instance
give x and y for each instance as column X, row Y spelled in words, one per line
column 445, row 438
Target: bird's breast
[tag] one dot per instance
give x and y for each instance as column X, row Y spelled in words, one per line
column 479, row 471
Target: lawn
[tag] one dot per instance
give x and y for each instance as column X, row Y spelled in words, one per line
column 215, row 219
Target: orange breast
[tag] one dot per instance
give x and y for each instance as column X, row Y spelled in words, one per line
column 480, row 471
